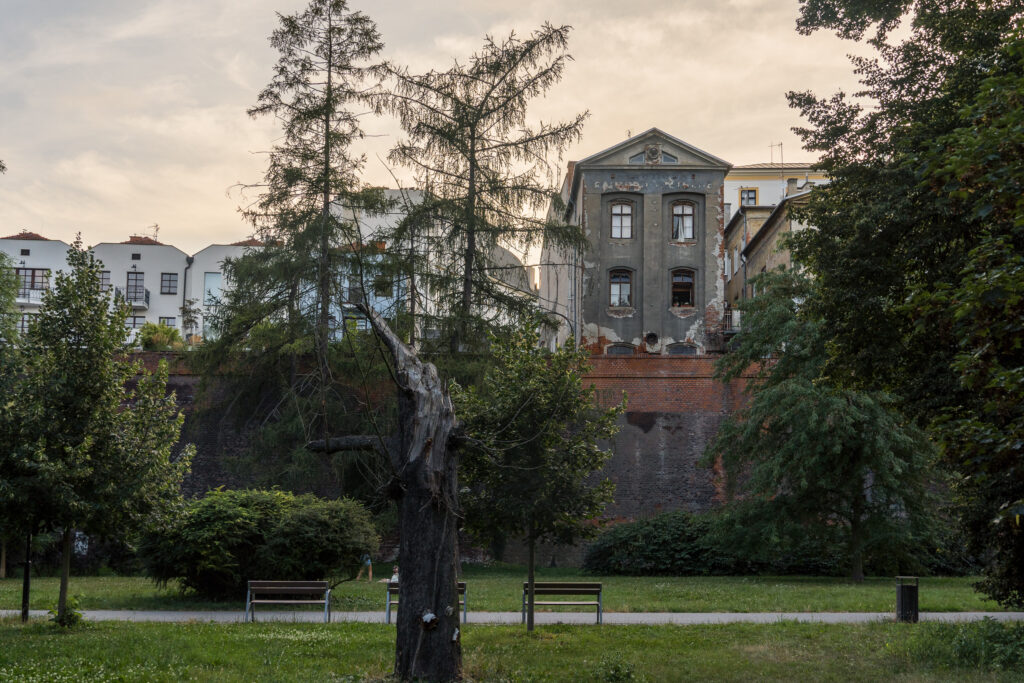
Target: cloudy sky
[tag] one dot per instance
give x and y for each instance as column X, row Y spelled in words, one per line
column 118, row 114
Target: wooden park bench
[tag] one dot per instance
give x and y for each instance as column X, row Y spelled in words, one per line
column 392, row 600
column 563, row 588
column 287, row 593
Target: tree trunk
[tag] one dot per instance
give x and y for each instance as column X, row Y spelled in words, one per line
column 429, row 644
column 3, row 558
column 324, row 279
column 530, row 581
column 26, row 579
column 470, row 254
column 856, row 547
column 65, row 574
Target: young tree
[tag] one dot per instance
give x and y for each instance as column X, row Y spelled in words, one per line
column 533, row 436
column 10, row 369
column 808, row 454
column 914, row 234
column 485, row 172
column 93, row 455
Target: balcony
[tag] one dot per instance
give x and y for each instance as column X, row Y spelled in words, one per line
column 29, row 296
column 731, row 322
column 137, row 297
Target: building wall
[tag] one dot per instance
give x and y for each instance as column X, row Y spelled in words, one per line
column 152, row 262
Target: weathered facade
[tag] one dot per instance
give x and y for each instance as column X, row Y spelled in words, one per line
column 650, row 278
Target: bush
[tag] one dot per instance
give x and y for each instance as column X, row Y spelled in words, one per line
column 160, row 337
column 986, row 644
column 227, row 538
column 673, row 543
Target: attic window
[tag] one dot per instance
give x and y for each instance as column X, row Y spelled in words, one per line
column 667, row 158
column 26, row 252
column 637, row 158
column 136, row 257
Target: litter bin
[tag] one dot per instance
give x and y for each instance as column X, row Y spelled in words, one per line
column 906, row 599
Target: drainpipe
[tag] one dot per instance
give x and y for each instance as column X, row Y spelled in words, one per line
column 743, row 257
column 184, row 283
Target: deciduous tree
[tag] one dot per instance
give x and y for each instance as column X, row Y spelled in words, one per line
column 534, row 436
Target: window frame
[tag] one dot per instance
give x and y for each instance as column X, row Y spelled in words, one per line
column 612, row 283
column 628, row 350
column 748, row 189
column 163, row 320
column 682, row 203
column 626, row 203
column 168, row 283
column 32, row 279
column 132, row 322
column 672, row 287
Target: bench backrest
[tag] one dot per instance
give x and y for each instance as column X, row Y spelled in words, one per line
column 393, row 587
column 563, row 587
column 289, row 587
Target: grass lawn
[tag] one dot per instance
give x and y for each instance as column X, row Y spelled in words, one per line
column 500, row 589
column 351, row 652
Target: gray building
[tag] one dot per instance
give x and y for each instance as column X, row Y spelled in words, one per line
column 650, row 279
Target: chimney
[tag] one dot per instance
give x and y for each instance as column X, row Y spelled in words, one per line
column 791, row 185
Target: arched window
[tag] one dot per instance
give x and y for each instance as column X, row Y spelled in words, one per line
column 622, row 220
column 682, row 288
column 619, row 350
column 620, row 288
column 682, row 220
column 682, row 350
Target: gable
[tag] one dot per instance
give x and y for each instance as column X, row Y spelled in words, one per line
column 654, row 148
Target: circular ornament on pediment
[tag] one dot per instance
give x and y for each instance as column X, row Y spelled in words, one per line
column 652, row 154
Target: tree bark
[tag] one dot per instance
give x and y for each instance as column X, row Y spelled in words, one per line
column 530, row 581
column 429, row 644
column 26, row 579
column 65, row 574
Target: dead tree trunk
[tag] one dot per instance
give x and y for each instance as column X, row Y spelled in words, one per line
column 423, row 458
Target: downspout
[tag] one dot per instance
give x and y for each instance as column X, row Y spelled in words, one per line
column 743, row 257
column 184, row 286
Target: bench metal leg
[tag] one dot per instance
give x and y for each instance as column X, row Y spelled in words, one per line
column 248, row 605
column 465, row 607
column 600, row 610
column 524, row 607
column 327, row 606
column 387, row 610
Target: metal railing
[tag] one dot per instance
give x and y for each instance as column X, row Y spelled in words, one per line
column 138, row 297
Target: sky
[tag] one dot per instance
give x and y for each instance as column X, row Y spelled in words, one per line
column 116, row 115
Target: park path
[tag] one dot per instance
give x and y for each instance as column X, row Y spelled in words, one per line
column 652, row 618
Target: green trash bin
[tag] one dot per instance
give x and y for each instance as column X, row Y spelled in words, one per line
column 906, row 599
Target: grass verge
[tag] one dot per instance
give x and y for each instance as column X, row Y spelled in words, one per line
column 352, row 652
column 500, row 589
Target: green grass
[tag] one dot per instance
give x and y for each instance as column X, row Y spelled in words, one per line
column 347, row 652
column 500, row 589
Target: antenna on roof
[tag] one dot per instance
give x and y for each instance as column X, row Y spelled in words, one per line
column 156, row 231
column 772, row 147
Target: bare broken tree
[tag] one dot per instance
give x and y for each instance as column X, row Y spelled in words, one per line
column 425, row 485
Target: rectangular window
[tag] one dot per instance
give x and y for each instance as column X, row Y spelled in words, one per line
column 32, row 279
column 728, row 265
column 682, row 288
column 619, row 294
column 26, row 252
column 136, row 257
column 24, row 321
column 105, row 281
column 168, row 283
column 682, row 221
column 622, row 220
column 748, row 197
column 735, row 260
column 211, row 288
column 135, row 287
column 134, row 322
column 170, row 322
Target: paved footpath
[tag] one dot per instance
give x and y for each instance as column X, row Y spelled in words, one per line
column 225, row 616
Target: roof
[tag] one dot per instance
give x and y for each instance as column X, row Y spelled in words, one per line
column 771, row 165
column 251, row 242
column 26, row 235
column 650, row 132
column 772, row 219
column 141, row 239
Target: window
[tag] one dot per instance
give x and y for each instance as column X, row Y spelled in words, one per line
column 735, row 260
column 136, row 257
column 26, row 252
column 211, row 288
column 105, row 281
column 619, row 350
column 622, row 220
column 682, row 220
column 748, row 197
column 24, row 322
column 134, row 322
column 32, row 278
column 728, row 265
column 620, row 288
column 682, row 350
column 682, row 288
column 135, row 288
column 170, row 322
column 382, row 287
column 168, row 283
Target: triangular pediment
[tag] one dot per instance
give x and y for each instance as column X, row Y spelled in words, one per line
column 654, row 147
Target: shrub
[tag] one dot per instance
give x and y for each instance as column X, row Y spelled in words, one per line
column 160, row 337
column 673, row 543
column 986, row 644
column 227, row 538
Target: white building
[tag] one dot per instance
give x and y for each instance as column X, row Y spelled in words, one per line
column 765, row 184
column 35, row 259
